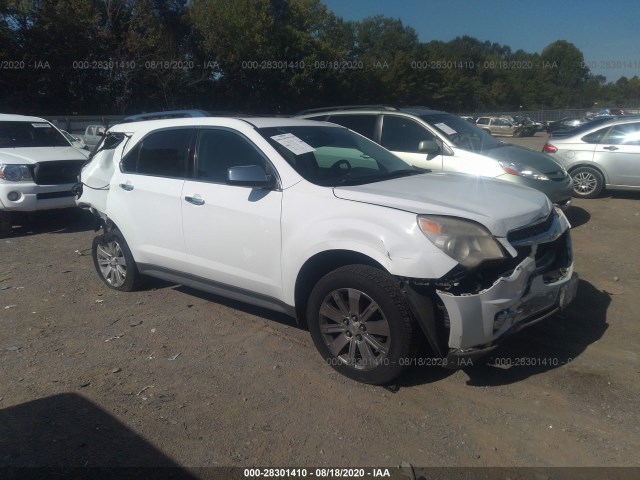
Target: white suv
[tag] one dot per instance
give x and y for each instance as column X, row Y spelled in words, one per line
column 319, row 222
column 38, row 167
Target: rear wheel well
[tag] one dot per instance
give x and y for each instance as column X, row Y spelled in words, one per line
column 318, row 266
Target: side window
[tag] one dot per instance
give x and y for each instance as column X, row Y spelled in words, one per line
column 483, row 121
column 596, row 136
column 218, row 150
column 403, row 134
column 625, row 134
column 163, row 153
column 363, row 124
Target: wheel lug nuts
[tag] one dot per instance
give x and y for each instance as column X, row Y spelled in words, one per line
column 359, row 337
column 348, row 334
column 362, row 328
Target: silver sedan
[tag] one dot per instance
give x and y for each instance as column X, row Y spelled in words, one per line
column 605, row 156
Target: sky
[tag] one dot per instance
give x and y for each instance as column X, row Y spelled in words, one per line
column 606, row 31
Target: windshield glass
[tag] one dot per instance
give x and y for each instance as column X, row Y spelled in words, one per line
column 461, row 133
column 30, row 134
column 332, row 156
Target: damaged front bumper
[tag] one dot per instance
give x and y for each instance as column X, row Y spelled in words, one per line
column 539, row 286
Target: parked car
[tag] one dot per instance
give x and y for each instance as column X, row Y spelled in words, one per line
column 75, row 140
column 606, row 156
column 93, row 134
column 506, row 127
column 313, row 220
column 444, row 142
column 530, row 123
column 38, row 167
column 566, row 123
column 612, row 111
column 583, row 127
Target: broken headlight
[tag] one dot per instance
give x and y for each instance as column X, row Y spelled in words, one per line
column 465, row 241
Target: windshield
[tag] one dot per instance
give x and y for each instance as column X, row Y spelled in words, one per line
column 30, row 134
column 461, row 133
column 332, row 156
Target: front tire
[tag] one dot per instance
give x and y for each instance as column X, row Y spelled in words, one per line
column 361, row 325
column 114, row 262
column 587, row 182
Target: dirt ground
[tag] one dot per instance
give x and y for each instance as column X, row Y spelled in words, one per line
column 171, row 376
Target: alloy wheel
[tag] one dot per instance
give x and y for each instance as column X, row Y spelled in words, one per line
column 112, row 263
column 354, row 329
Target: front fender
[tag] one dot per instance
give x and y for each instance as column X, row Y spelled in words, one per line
column 388, row 236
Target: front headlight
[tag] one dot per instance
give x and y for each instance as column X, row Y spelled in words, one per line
column 522, row 171
column 465, row 241
column 15, row 173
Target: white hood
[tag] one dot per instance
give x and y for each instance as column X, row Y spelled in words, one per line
column 31, row 155
column 499, row 206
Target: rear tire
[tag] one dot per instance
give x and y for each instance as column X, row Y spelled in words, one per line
column 114, row 262
column 587, row 182
column 361, row 325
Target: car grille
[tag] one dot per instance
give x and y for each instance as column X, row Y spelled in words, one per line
column 532, row 230
column 56, row 172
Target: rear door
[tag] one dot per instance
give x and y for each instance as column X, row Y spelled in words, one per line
column 619, row 154
column 232, row 233
column 145, row 197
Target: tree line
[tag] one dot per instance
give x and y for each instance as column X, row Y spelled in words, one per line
column 268, row 56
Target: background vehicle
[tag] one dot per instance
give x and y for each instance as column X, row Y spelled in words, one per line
column 318, row 222
column 589, row 124
column 38, row 167
column 441, row 141
column 605, row 156
column 506, row 127
column 93, row 134
column 566, row 123
column 611, row 111
column 75, row 140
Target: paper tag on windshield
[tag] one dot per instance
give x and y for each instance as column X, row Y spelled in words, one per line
column 446, row 128
column 40, row 125
column 293, row 143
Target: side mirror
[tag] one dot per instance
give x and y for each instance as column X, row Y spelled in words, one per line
column 429, row 147
column 250, row 176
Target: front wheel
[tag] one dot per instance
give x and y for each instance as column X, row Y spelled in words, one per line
column 361, row 325
column 114, row 262
column 587, row 182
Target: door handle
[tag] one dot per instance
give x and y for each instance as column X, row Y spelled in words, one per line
column 194, row 200
column 126, row 186
column 612, row 148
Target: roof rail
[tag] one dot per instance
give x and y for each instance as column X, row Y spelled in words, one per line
column 347, row 107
